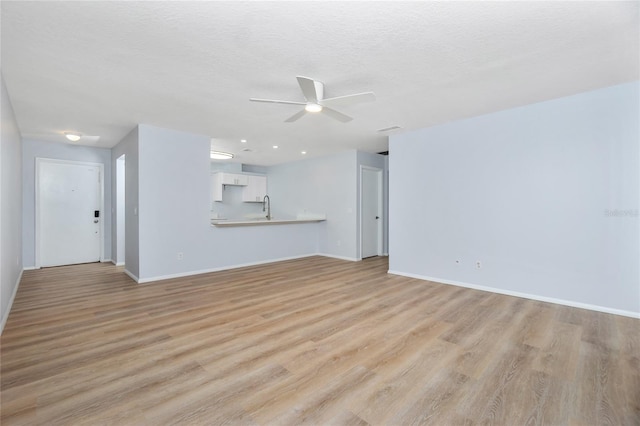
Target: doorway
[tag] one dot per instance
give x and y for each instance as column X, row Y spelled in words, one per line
column 371, row 221
column 69, row 212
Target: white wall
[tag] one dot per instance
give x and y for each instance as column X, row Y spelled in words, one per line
column 32, row 149
column 528, row 192
column 174, row 209
column 321, row 185
column 128, row 146
column 10, row 205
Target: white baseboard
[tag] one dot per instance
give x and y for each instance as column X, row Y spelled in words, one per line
column 117, row 263
column 222, row 268
column 29, row 268
column 106, row 261
column 5, row 316
column 523, row 295
column 133, row 277
column 351, row 259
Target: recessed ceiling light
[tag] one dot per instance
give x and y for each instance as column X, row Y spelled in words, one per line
column 303, row 152
column 311, row 107
column 219, row 155
column 73, row 136
column 243, row 140
column 275, row 147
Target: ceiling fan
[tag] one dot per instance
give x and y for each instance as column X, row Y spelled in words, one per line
column 313, row 92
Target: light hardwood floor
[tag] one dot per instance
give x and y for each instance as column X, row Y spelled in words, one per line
column 310, row 341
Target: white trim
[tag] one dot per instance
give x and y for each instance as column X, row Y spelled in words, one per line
column 118, row 263
column 133, row 277
column 522, row 295
column 221, row 268
column 241, row 265
column 119, row 210
column 350, row 259
column 106, row 261
column 29, row 268
column 5, row 317
column 100, row 167
column 380, row 207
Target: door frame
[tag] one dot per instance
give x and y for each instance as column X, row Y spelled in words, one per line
column 379, row 174
column 100, row 166
column 120, row 211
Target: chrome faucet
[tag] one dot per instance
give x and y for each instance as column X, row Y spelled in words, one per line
column 266, row 206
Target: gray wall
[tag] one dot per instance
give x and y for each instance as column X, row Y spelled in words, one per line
column 10, row 205
column 325, row 185
column 174, row 209
column 31, row 150
column 545, row 196
column 129, row 147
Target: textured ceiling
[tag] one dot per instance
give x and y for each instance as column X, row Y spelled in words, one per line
column 102, row 67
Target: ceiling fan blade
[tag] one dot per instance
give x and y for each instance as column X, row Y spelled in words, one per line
column 311, row 89
column 274, row 101
column 349, row 99
column 337, row 115
column 295, row 116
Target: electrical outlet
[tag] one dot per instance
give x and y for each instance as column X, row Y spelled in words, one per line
column 180, row 256
column 478, row 264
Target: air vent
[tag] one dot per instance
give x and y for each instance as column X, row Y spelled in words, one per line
column 388, row 129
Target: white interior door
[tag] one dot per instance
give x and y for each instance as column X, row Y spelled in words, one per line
column 69, row 199
column 371, row 211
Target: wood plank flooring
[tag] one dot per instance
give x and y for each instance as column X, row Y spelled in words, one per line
column 310, row 341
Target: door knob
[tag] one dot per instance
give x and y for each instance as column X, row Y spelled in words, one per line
column 377, row 217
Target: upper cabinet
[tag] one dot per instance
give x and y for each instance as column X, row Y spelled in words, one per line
column 255, row 190
column 232, row 179
column 254, row 187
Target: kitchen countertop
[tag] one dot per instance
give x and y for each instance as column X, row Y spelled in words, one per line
column 258, row 222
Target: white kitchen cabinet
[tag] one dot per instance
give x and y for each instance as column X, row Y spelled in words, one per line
column 233, row 179
column 255, row 190
column 220, row 179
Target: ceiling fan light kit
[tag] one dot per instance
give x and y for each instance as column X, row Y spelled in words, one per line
column 313, row 92
column 311, row 107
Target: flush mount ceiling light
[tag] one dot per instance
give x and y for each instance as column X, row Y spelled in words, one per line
column 219, row 155
column 72, row 136
column 311, row 107
column 243, row 140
